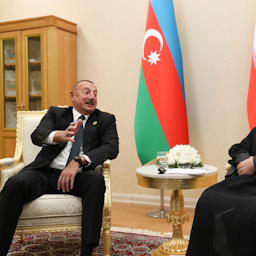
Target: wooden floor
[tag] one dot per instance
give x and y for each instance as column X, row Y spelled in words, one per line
column 134, row 216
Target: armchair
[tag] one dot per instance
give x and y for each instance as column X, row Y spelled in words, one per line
column 49, row 213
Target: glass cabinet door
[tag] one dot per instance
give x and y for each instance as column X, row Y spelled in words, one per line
column 34, row 73
column 11, row 90
column 9, row 82
column 34, row 63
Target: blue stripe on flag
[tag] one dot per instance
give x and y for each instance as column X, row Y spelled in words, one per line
column 164, row 11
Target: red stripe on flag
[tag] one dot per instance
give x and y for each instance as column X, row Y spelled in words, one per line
column 164, row 86
column 251, row 100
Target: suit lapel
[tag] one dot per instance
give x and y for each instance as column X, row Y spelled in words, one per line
column 66, row 119
column 89, row 129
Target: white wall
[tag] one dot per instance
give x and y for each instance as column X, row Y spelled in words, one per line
column 216, row 40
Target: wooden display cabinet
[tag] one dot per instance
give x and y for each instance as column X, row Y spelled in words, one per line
column 37, row 70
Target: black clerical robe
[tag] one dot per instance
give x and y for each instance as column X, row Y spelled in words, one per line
column 225, row 216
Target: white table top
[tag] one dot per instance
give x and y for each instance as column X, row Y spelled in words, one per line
column 151, row 171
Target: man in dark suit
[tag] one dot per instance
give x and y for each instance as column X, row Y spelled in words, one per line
column 54, row 172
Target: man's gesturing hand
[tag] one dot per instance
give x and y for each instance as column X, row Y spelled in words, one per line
column 65, row 136
column 67, row 177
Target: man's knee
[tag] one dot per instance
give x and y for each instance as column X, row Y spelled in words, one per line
column 14, row 189
column 19, row 183
column 14, row 183
column 94, row 179
column 97, row 176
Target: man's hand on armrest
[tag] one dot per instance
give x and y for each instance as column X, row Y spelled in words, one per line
column 246, row 167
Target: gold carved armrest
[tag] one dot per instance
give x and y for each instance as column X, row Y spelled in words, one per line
column 228, row 166
column 105, row 170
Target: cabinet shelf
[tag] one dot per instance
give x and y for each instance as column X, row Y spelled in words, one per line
column 34, row 62
column 34, row 65
column 35, row 96
column 9, row 66
column 10, row 97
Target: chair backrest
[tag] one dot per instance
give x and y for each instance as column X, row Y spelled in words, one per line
column 27, row 121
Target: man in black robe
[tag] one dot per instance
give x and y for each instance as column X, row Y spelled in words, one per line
column 225, row 216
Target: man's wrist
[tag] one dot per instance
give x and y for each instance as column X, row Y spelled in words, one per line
column 50, row 139
column 81, row 160
column 84, row 161
column 88, row 160
column 78, row 160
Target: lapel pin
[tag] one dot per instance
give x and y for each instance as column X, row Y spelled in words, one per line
column 94, row 123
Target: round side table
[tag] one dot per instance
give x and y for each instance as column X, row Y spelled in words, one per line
column 148, row 177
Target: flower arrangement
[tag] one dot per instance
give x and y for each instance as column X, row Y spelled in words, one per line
column 184, row 156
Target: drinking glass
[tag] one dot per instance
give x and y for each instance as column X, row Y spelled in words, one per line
column 162, row 159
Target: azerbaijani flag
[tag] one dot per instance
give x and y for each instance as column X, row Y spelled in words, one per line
column 251, row 99
column 161, row 118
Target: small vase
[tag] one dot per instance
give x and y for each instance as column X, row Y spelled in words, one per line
column 184, row 166
column 184, row 163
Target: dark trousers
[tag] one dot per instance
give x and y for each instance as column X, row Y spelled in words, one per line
column 31, row 184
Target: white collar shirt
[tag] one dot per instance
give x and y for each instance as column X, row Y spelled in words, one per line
column 59, row 162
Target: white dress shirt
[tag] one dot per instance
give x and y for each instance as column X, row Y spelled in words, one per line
column 59, row 162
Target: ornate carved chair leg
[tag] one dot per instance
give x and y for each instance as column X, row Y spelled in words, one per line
column 20, row 238
column 106, row 241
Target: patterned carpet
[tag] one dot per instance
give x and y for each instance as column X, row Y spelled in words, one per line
column 68, row 243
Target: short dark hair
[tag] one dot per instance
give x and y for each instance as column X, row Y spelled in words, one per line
column 80, row 82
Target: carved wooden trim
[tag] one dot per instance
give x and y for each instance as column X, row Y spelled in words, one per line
column 38, row 22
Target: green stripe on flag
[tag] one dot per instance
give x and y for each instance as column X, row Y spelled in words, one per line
column 149, row 135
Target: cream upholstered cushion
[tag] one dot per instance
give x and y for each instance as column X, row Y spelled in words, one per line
column 29, row 150
column 51, row 210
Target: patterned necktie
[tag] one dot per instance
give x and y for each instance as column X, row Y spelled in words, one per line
column 75, row 150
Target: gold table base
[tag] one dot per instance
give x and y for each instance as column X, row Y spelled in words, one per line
column 148, row 178
column 177, row 245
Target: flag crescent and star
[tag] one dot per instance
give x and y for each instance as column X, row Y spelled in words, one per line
column 153, row 57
